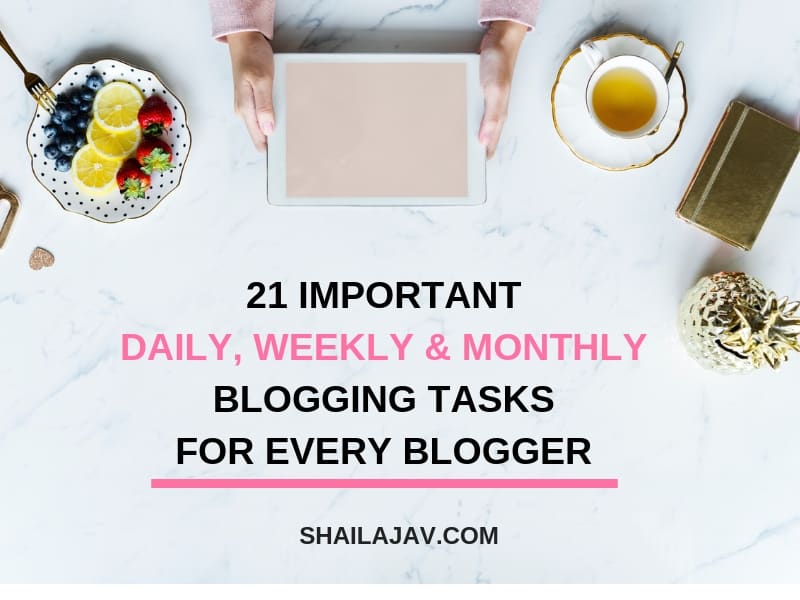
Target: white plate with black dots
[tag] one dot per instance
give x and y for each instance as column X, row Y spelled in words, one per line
column 63, row 134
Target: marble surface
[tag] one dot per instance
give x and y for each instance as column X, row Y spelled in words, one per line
column 708, row 465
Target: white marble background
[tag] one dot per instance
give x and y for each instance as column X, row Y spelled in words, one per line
column 708, row 466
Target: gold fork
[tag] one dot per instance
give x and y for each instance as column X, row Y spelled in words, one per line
column 37, row 88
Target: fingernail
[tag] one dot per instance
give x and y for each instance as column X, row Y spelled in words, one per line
column 266, row 124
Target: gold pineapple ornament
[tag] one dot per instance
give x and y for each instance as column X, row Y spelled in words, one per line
column 730, row 323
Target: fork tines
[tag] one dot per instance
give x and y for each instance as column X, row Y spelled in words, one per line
column 44, row 96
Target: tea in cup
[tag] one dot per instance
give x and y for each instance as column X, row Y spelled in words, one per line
column 627, row 96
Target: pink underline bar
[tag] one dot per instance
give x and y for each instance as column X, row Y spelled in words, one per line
column 381, row 484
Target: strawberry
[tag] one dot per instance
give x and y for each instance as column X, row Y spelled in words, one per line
column 132, row 181
column 154, row 155
column 154, row 116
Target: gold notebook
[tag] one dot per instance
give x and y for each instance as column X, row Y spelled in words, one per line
column 740, row 175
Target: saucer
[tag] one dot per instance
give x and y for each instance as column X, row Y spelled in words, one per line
column 584, row 137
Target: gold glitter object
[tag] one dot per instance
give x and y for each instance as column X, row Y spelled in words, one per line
column 730, row 323
column 41, row 258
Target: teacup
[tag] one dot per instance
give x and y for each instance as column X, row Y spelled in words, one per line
column 627, row 96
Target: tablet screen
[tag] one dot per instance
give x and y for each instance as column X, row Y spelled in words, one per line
column 376, row 129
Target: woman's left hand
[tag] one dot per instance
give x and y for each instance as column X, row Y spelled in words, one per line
column 499, row 48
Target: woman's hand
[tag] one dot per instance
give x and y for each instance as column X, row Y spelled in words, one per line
column 499, row 48
column 253, row 71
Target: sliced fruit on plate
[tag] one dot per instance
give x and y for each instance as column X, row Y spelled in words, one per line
column 113, row 145
column 116, row 106
column 132, row 181
column 94, row 174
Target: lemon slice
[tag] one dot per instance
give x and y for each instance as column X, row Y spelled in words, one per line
column 116, row 106
column 113, row 145
column 94, row 174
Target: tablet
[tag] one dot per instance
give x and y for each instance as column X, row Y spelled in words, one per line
column 376, row 130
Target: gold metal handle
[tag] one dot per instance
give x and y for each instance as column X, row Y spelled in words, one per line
column 13, row 203
column 5, row 45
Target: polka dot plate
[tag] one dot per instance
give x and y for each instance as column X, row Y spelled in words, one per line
column 112, row 208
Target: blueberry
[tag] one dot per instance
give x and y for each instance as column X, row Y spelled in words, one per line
column 63, row 164
column 64, row 112
column 81, row 122
column 86, row 93
column 56, row 120
column 75, row 98
column 69, row 128
column 66, row 145
column 94, row 81
column 52, row 152
column 50, row 131
column 86, row 106
column 80, row 142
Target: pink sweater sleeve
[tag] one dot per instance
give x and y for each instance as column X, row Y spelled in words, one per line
column 233, row 16
column 521, row 11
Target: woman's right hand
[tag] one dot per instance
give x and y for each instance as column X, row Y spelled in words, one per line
column 253, row 66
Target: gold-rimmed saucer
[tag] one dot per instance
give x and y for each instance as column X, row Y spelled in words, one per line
column 584, row 137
